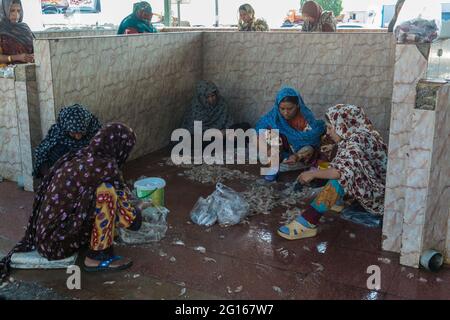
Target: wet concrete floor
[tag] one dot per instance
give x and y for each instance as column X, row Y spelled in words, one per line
column 245, row 261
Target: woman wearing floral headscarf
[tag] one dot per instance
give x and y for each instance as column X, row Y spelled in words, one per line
column 358, row 170
column 248, row 22
column 316, row 19
column 16, row 38
column 81, row 202
column 139, row 21
column 73, row 130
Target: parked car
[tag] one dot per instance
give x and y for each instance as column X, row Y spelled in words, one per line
column 353, row 25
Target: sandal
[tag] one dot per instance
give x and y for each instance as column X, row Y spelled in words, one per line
column 296, row 231
column 105, row 265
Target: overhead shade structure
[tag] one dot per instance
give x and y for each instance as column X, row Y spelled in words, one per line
column 217, row 13
column 167, row 12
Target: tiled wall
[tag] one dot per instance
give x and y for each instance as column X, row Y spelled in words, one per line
column 74, row 33
column 10, row 160
column 328, row 69
column 145, row 81
column 19, row 125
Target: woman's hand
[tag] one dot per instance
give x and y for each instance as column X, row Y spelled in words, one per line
column 306, row 177
column 23, row 57
column 292, row 159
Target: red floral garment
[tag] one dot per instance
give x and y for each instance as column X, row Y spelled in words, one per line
column 9, row 46
column 361, row 157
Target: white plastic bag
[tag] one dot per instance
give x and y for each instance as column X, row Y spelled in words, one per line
column 419, row 21
column 153, row 228
column 224, row 205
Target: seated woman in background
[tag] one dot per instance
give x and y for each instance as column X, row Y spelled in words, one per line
column 248, row 22
column 139, row 21
column 73, row 130
column 209, row 107
column 81, row 202
column 16, row 38
column 299, row 131
column 316, row 19
column 358, row 171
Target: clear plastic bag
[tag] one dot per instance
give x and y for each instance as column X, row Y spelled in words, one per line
column 419, row 21
column 225, row 206
column 357, row 214
column 202, row 213
column 416, row 31
column 153, row 228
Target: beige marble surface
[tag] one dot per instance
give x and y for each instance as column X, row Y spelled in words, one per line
column 426, row 214
column 403, row 102
column 437, row 228
column 10, row 158
column 328, row 69
column 29, row 125
column 145, row 81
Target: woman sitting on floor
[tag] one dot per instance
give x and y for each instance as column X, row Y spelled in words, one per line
column 81, row 202
column 16, row 38
column 248, row 22
column 317, row 20
column 209, row 107
column 140, row 21
column 299, row 131
column 73, row 130
column 358, row 170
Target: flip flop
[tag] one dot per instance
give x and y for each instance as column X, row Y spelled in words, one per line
column 105, row 265
column 296, row 231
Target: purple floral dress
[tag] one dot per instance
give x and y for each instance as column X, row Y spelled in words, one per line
column 64, row 207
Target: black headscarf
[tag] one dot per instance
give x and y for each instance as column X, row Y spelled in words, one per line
column 18, row 31
column 74, row 118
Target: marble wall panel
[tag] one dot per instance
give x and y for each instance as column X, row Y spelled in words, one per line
column 44, row 79
column 10, row 157
column 417, row 183
column 250, row 69
column 403, row 102
column 28, row 116
column 145, row 81
column 437, row 227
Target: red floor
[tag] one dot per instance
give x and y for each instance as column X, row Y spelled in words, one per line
column 246, row 261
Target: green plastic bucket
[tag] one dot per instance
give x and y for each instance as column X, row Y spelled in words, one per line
column 151, row 189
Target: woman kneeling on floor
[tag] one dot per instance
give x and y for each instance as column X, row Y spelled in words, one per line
column 299, row 130
column 358, row 171
column 73, row 130
column 81, row 202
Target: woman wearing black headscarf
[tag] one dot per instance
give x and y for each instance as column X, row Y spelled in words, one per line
column 16, row 38
column 73, row 130
column 81, row 202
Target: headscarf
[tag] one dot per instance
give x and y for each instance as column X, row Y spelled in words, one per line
column 133, row 21
column 18, row 31
column 75, row 118
column 361, row 157
column 212, row 117
column 324, row 20
column 312, row 9
column 253, row 25
column 297, row 139
column 64, row 206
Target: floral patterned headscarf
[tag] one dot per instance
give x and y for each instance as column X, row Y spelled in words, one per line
column 348, row 119
column 361, row 157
